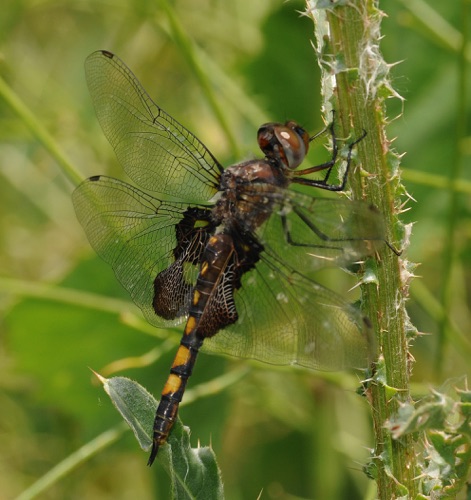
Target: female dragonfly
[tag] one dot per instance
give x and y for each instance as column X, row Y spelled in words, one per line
column 230, row 252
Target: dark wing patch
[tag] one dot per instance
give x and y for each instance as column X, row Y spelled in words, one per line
column 136, row 234
column 173, row 286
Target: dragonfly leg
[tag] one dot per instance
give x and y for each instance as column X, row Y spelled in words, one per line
column 324, row 184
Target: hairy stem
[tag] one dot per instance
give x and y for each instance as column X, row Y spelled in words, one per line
column 355, row 84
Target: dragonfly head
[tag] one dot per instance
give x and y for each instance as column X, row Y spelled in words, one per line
column 285, row 143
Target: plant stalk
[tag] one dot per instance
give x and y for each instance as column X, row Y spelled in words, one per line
column 355, row 84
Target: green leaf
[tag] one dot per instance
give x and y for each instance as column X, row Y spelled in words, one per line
column 136, row 405
column 193, row 471
column 428, row 415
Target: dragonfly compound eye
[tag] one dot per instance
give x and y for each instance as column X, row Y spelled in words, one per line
column 294, row 142
column 287, row 144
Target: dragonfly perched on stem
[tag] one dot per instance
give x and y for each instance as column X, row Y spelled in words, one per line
column 229, row 251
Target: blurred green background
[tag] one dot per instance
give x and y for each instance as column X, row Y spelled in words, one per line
column 288, row 433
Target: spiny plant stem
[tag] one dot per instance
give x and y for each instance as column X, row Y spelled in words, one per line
column 355, row 84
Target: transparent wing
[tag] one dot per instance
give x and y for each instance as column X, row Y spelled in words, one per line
column 156, row 151
column 324, row 231
column 136, row 234
column 317, row 232
column 285, row 318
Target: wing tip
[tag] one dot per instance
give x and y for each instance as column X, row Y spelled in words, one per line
column 107, row 54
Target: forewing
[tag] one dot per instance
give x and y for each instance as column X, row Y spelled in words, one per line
column 156, row 151
column 135, row 233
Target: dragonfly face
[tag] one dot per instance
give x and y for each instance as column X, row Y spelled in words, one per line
column 238, row 267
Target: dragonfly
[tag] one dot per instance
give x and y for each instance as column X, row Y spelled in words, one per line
column 230, row 252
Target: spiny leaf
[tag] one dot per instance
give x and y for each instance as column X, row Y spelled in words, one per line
column 193, row 471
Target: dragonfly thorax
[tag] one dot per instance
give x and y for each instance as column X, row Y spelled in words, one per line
column 247, row 193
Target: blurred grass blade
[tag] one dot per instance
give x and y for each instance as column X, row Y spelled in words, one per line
column 436, row 181
column 232, row 91
column 47, row 291
column 38, row 130
column 186, row 47
column 439, row 28
column 74, row 460
column 435, row 309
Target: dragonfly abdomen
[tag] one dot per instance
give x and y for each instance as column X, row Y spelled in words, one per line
column 212, row 308
column 173, row 390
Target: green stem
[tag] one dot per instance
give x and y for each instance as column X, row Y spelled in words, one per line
column 355, row 83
